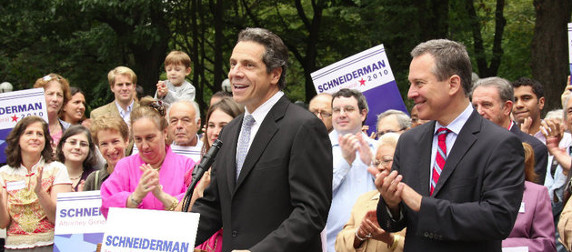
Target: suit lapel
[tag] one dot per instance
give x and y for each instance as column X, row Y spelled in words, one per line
column 464, row 141
column 426, row 139
column 231, row 161
column 267, row 130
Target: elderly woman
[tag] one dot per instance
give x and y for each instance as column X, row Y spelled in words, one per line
column 111, row 134
column 31, row 181
column 77, row 151
column 154, row 178
column 362, row 232
column 57, row 92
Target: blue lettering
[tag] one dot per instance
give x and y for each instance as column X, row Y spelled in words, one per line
column 153, row 244
column 108, row 241
column 176, row 247
column 62, row 213
column 160, row 245
column 366, row 70
column 185, row 246
column 116, row 241
column 355, row 74
column 135, row 243
column 122, row 241
column 381, row 63
column 38, row 106
column 144, row 244
column 167, row 245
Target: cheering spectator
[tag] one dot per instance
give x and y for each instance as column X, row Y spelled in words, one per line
column 77, row 151
column 31, row 182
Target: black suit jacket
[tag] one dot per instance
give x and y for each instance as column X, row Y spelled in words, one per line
column 283, row 194
column 477, row 197
column 540, row 152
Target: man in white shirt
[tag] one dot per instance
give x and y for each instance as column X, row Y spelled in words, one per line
column 184, row 119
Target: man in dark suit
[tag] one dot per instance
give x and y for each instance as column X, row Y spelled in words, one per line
column 458, row 188
column 493, row 98
column 277, row 196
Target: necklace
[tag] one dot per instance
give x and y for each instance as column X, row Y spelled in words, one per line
column 75, row 178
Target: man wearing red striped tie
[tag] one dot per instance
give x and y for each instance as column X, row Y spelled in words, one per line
column 457, row 182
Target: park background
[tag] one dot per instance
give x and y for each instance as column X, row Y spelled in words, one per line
column 83, row 39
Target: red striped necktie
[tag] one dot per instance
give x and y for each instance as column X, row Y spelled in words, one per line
column 440, row 157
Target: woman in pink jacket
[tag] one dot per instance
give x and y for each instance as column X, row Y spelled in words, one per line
column 154, row 178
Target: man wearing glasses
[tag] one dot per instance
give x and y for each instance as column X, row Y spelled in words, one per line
column 321, row 106
column 352, row 152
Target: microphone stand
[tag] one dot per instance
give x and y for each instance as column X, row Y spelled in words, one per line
column 201, row 168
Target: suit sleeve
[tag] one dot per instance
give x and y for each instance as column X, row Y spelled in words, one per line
column 493, row 215
column 542, row 230
column 310, row 179
column 541, row 158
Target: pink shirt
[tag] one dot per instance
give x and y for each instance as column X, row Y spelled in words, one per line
column 125, row 178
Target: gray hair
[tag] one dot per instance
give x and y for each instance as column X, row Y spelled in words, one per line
column 276, row 54
column 450, row 58
column 503, row 86
column 555, row 114
column 403, row 119
column 389, row 139
column 188, row 103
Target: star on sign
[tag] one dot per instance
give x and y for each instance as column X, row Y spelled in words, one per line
column 14, row 118
column 362, row 82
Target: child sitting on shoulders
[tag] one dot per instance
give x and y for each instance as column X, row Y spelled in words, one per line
column 177, row 66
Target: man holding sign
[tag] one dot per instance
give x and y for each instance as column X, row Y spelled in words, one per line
column 457, row 182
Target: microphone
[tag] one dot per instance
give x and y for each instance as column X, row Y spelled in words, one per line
column 200, row 170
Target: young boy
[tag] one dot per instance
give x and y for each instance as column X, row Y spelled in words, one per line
column 177, row 66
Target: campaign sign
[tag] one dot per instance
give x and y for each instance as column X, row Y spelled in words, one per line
column 130, row 229
column 570, row 45
column 370, row 73
column 16, row 105
column 79, row 222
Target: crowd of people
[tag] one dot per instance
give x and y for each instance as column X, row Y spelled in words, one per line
column 437, row 178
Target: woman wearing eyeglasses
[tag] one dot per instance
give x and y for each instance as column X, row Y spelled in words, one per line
column 77, row 151
column 362, row 232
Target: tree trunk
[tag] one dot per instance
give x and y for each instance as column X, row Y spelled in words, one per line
column 549, row 48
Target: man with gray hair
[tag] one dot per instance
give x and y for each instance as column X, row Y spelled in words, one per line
column 184, row 119
column 493, row 98
column 392, row 121
column 457, row 181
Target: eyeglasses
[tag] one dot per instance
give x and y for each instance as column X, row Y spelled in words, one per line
column 384, row 162
column 322, row 114
column 381, row 133
column 74, row 142
column 347, row 109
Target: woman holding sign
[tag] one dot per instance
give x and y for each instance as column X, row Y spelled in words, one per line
column 31, row 181
column 154, row 178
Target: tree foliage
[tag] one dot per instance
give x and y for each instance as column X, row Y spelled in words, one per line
column 83, row 40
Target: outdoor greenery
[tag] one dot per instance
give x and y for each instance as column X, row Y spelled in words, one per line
column 82, row 40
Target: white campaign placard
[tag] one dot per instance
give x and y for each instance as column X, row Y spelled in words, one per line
column 79, row 222
column 130, row 229
column 16, row 105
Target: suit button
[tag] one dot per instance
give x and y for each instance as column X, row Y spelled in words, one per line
column 426, row 234
column 234, row 233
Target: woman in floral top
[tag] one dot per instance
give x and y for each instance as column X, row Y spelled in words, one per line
column 30, row 184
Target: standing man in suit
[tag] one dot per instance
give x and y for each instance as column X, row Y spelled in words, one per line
column 122, row 81
column 272, row 183
column 457, row 182
column 493, row 99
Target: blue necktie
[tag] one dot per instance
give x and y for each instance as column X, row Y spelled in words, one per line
column 247, row 123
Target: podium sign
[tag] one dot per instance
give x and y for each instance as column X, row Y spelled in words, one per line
column 130, row 229
column 79, row 223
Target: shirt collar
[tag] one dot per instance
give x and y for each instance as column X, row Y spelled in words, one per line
column 456, row 125
column 260, row 113
column 129, row 108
